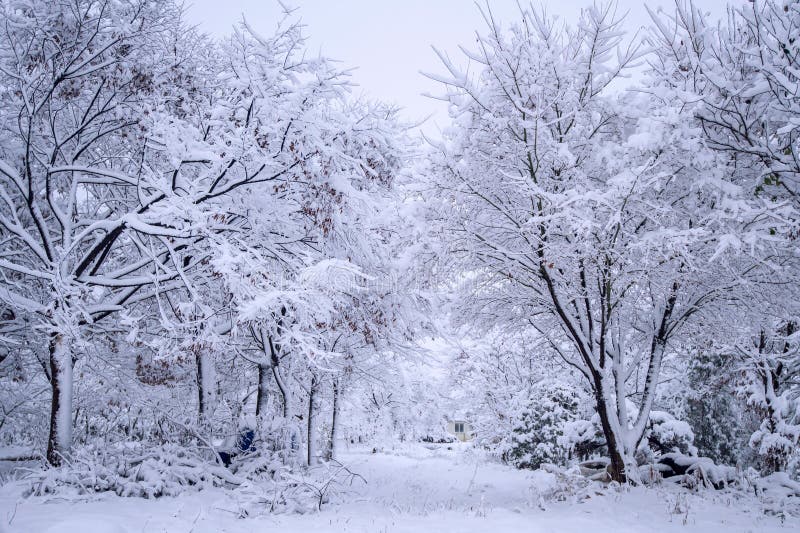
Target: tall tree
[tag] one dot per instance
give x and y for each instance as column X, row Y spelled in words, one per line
column 585, row 216
column 130, row 152
column 81, row 78
column 739, row 78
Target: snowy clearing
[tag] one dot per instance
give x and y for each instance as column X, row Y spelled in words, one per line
column 414, row 489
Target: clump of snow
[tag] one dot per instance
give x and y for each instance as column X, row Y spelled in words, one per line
column 693, row 471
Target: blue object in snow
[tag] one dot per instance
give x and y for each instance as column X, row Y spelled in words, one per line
column 244, row 443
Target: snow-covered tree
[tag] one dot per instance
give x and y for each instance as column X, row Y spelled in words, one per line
column 587, row 216
column 739, row 78
column 82, row 222
column 712, row 407
column 142, row 166
column 312, row 280
column 770, row 368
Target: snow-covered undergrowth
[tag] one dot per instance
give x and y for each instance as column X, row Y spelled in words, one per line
column 415, row 488
column 261, row 483
column 130, row 471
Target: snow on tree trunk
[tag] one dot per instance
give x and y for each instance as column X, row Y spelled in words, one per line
column 622, row 437
column 330, row 453
column 60, row 437
column 312, row 456
column 262, row 395
column 206, row 381
column 287, row 403
column 616, row 452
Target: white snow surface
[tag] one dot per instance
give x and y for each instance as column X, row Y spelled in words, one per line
column 412, row 489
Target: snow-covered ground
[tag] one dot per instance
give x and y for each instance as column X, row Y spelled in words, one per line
column 416, row 489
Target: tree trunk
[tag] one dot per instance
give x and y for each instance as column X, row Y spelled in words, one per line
column 330, row 453
column 273, row 355
column 617, row 467
column 262, row 395
column 59, row 440
column 311, row 459
column 205, row 384
column 293, row 434
column 287, row 408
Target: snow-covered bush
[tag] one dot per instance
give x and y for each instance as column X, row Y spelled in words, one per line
column 261, row 482
column 769, row 386
column 584, row 439
column 538, row 437
column 667, row 434
column 776, row 444
column 130, row 469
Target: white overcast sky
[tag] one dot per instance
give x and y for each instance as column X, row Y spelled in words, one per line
column 389, row 41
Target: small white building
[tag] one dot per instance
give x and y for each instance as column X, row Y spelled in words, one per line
column 461, row 429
